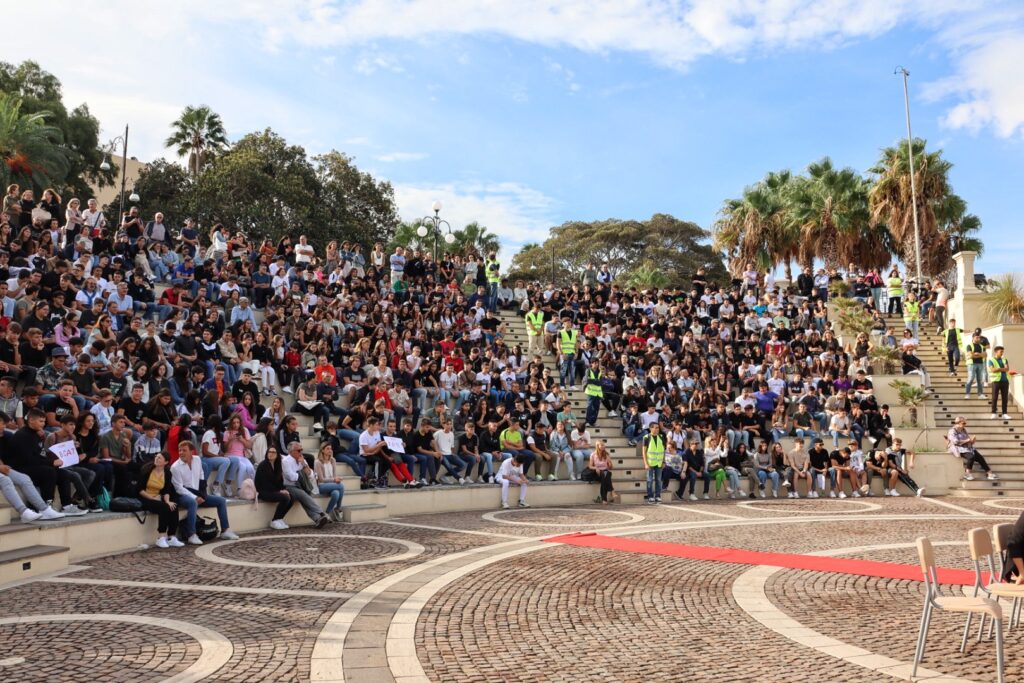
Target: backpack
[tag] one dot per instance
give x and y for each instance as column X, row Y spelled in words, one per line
column 247, row 491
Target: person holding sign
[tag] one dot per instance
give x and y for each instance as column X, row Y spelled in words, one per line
column 18, row 488
column 72, row 473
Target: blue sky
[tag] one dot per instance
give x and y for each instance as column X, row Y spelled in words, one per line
column 524, row 115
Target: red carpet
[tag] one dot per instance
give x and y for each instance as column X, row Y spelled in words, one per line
column 885, row 570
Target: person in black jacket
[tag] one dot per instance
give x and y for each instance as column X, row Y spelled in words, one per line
column 157, row 495
column 25, row 454
column 269, row 483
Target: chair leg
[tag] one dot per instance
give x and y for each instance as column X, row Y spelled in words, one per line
column 981, row 628
column 1017, row 606
column 999, row 650
column 921, row 637
column 967, row 627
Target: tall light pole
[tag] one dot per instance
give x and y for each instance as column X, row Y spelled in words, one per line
column 105, row 166
column 913, row 180
column 433, row 224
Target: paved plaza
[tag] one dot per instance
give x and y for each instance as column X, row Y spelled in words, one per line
column 479, row 596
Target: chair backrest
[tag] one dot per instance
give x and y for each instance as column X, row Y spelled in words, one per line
column 926, row 554
column 980, row 543
column 1001, row 532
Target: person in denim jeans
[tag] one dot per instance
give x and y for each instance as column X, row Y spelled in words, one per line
column 189, row 484
column 693, row 469
column 654, row 460
column 976, row 356
column 631, row 425
column 820, row 467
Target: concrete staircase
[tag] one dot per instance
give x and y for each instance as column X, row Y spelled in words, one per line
column 999, row 440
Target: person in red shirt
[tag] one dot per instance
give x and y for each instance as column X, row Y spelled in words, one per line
column 325, row 372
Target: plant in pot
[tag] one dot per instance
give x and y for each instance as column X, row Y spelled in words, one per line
column 910, row 397
column 851, row 317
column 885, row 360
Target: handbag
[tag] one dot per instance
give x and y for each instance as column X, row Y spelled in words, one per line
column 306, row 482
column 132, row 505
column 103, row 498
column 207, row 529
column 588, row 474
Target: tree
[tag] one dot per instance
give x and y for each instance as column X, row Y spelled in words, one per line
column 352, row 203
column 891, row 203
column 41, row 91
column 475, row 237
column 263, row 186
column 199, row 135
column 674, row 246
column 758, row 227
column 31, row 149
column 831, row 208
column 405, row 236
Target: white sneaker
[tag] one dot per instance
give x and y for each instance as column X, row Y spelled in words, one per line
column 504, row 506
column 993, row 416
column 993, row 475
column 763, row 494
column 174, row 542
column 775, row 493
column 886, row 492
column 842, row 494
column 795, row 494
column 523, row 504
column 318, row 426
column 229, row 535
column 73, row 511
column 612, row 413
column 967, row 396
column 1005, row 416
column 49, row 514
column 831, row 494
column 288, row 390
column 552, row 477
column 29, row 515
column 278, row 524
column 982, row 397
column 785, row 482
column 693, row 497
column 968, row 477
column 162, row 542
column 707, row 497
column 920, row 492
column 572, row 388
column 572, row 477
column 538, row 478
column 894, row 493
column 194, row 540
column 865, row 488
column 856, row 494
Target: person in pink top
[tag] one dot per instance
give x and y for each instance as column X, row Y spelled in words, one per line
column 236, row 440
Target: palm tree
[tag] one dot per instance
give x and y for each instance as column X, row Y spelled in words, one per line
column 32, row 151
column 831, row 207
column 199, row 135
column 1005, row 302
column 960, row 227
column 757, row 227
column 475, row 237
column 891, row 203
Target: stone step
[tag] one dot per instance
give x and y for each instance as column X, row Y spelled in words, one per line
column 6, row 513
column 30, row 561
column 367, row 512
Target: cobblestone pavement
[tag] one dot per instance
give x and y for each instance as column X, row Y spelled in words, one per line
column 476, row 596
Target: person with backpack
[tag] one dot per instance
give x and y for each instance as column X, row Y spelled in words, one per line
column 157, row 495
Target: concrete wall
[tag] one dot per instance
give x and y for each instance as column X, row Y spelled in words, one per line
column 1012, row 337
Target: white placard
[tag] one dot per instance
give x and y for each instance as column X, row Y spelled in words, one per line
column 395, row 444
column 67, row 453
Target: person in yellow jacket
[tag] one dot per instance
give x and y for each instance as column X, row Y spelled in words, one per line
column 953, row 338
column 535, row 330
column 912, row 314
column 894, row 289
column 999, row 377
column 568, row 341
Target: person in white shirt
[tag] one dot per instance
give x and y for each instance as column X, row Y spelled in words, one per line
column 444, row 443
column 511, row 472
column 858, row 474
column 291, row 467
column 304, row 251
column 187, row 478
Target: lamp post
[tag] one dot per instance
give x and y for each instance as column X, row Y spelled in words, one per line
column 913, row 180
column 433, row 224
column 105, row 166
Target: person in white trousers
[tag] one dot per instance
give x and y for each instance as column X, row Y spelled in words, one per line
column 511, row 472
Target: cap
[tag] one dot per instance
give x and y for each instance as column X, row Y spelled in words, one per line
column 58, row 352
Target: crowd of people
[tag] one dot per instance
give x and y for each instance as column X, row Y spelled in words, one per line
column 177, row 359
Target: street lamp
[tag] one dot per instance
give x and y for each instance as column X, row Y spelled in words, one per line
column 913, row 180
column 105, row 166
column 433, row 224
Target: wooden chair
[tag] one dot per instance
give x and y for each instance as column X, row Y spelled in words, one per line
column 934, row 599
column 1000, row 534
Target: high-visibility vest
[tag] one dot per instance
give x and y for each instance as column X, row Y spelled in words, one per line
column 997, row 369
column 973, row 348
column 568, row 341
column 492, row 271
column 911, row 311
column 534, row 322
column 593, row 387
column 895, row 286
column 655, row 450
column 959, row 337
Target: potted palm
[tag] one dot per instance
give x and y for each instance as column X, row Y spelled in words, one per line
column 884, row 359
column 910, row 397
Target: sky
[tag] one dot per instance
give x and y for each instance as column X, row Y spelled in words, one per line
column 524, row 114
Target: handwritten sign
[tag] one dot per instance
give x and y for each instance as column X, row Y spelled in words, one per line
column 395, row 444
column 67, row 453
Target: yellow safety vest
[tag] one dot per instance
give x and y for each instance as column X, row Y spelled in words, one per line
column 997, row 369
column 655, row 450
column 911, row 311
column 895, row 286
column 593, row 387
column 492, row 271
column 568, row 341
column 534, row 322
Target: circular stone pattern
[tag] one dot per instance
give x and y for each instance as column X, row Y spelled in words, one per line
column 309, row 551
column 998, row 504
column 562, row 517
column 135, row 649
column 791, row 506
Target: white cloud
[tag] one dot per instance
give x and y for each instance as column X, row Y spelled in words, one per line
column 515, row 212
column 400, row 156
column 368, row 64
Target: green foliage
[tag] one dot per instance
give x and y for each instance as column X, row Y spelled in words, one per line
column 352, row 203
column 884, row 359
column 31, row 150
column 908, row 395
column 1004, row 300
column 647, row 276
column 79, row 130
column 162, row 186
column 851, row 316
column 675, row 246
column 199, row 135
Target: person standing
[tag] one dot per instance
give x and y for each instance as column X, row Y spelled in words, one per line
column 535, row 330
column 954, row 338
column 999, row 377
column 568, row 339
column 594, row 389
column 493, row 268
column 654, row 459
column 912, row 314
column 975, row 365
column 941, row 303
column 894, row 288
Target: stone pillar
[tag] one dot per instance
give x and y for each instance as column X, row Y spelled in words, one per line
column 965, row 271
column 967, row 303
